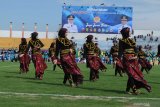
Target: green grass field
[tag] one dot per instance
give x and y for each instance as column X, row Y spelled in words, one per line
column 21, row 90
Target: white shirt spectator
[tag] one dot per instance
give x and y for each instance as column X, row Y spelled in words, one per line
column 71, row 27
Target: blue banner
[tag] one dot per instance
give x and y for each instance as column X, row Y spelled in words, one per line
column 96, row 19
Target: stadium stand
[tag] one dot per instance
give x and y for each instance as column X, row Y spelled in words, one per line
column 6, row 42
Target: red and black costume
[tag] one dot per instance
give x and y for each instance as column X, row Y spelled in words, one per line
column 117, row 63
column 52, row 50
column 68, row 63
column 92, row 59
column 127, row 48
column 37, row 58
column 143, row 61
column 158, row 54
column 97, row 50
column 73, row 49
column 24, row 58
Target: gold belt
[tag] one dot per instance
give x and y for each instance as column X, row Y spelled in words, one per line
column 90, row 53
column 115, row 53
column 129, row 51
column 65, row 51
column 142, row 57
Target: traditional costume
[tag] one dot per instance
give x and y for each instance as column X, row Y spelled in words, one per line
column 145, row 65
column 92, row 59
column 117, row 63
column 24, row 58
column 127, row 48
column 37, row 58
column 51, row 55
column 68, row 63
column 158, row 54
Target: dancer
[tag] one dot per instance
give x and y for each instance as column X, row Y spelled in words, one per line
column 37, row 58
column 158, row 54
column 145, row 65
column 93, row 61
column 117, row 63
column 69, row 66
column 97, row 50
column 98, row 55
column 73, row 50
column 24, row 58
column 127, row 48
column 51, row 55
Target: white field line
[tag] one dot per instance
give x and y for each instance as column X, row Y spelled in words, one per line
column 8, row 66
column 79, row 96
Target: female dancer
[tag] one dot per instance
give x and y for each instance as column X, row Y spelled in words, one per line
column 145, row 65
column 24, row 58
column 117, row 63
column 68, row 63
column 37, row 58
column 127, row 48
column 92, row 58
column 51, row 55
